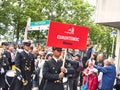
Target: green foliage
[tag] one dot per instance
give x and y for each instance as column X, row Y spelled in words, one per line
column 101, row 37
column 14, row 13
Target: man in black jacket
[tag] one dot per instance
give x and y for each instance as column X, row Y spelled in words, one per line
column 73, row 78
column 54, row 72
column 24, row 62
column 5, row 65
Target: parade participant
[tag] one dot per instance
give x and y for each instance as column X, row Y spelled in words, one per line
column 80, row 69
column 53, row 71
column 24, row 62
column 40, row 65
column 5, row 65
column 73, row 79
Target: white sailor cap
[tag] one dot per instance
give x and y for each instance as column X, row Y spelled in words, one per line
column 26, row 42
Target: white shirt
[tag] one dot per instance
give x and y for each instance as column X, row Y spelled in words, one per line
column 55, row 59
column 26, row 51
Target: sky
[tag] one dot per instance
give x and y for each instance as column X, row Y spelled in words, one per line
column 92, row 2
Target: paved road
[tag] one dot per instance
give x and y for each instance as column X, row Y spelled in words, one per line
column 35, row 88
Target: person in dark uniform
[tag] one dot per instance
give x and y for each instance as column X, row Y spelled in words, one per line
column 78, row 71
column 24, row 62
column 53, row 71
column 5, row 65
column 72, row 77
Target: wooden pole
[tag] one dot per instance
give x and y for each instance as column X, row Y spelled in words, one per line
column 64, row 57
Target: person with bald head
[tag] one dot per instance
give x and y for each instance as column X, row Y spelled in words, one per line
column 109, row 74
column 100, row 60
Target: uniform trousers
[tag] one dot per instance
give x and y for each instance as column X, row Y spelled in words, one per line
column 53, row 86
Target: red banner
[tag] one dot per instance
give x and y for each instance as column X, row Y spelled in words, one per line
column 67, row 36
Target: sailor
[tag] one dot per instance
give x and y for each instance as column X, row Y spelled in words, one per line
column 54, row 71
column 24, row 62
column 5, row 64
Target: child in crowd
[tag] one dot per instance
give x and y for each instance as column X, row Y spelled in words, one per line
column 90, row 74
column 93, row 79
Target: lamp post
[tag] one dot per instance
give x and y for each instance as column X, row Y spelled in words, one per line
column 113, row 35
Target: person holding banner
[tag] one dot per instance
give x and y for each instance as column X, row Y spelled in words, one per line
column 54, row 71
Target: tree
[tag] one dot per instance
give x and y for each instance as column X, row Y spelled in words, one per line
column 14, row 14
column 100, row 35
column 17, row 12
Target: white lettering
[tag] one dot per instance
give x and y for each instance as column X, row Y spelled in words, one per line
column 71, row 38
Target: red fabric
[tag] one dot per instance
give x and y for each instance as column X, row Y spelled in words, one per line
column 92, row 79
column 86, row 71
column 67, row 36
column 92, row 82
column 84, row 76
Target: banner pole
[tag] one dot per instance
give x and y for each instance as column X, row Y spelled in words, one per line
column 26, row 29
column 64, row 57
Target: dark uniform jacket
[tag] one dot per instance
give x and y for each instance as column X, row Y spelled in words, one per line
column 72, row 77
column 5, row 60
column 51, row 72
column 25, row 62
column 73, row 65
column 5, row 63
